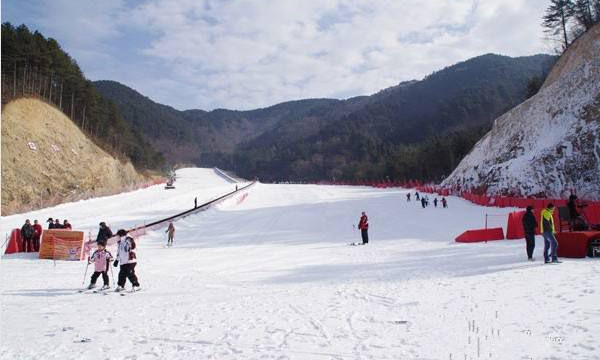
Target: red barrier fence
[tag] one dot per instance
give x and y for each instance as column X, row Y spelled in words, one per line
column 15, row 244
column 480, row 235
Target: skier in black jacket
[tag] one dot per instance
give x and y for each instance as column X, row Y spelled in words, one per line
column 529, row 225
column 104, row 234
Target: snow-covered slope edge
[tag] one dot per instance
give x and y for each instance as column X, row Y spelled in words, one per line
column 550, row 143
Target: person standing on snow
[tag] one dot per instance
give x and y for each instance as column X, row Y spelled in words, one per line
column 547, row 229
column 27, row 233
column 101, row 259
column 363, row 225
column 127, row 259
column 444, row 203
column 529, row 225
column 104, row 233
column 423, row 202
column 407, row 197
column 171, row 234
column 435, row 201
column 37, row 233
column 417, row 195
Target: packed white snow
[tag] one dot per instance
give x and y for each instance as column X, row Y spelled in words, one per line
column 269, row 274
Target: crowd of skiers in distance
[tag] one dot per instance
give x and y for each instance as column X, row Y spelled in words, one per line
column 425, row 200
column 31, row 233
column 126, row 259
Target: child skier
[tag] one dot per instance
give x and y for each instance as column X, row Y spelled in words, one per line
column 171, row 234
column 127, row 258
column 101, row 258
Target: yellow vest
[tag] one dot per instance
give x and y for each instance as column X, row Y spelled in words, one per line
column 548, row 218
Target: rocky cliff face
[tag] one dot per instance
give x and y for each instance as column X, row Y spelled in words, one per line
column 47, row 160
column 549, row 144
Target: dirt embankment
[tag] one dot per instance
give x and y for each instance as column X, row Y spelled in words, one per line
column 48, row 160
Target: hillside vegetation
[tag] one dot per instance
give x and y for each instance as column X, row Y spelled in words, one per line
column 35, row 66
column 46, row 160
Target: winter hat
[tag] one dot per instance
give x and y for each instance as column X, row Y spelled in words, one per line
column 121, row 232
column 529, row 208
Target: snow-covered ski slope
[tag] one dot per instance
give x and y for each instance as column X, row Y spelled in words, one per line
column 273, row 277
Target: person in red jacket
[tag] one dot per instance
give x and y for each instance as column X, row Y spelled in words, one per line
column 37, row 233
column 363, row 225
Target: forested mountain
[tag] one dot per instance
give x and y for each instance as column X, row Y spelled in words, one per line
column 417, row 129
column 35, row 66
column 198, row 136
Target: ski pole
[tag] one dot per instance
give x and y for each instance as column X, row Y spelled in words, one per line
column 86, row 269
column 112, row 275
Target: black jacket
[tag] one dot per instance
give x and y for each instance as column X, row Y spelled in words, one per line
column 104, row 234
column 27, row 231
column 529, row 222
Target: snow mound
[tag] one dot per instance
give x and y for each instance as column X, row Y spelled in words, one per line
column 549, row 144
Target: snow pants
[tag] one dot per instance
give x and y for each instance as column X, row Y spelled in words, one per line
column 170, row 238
column 27, row 244
column 550, row 243
column 530, row 240
column 127, row 271
column 104, row 274
column 36, row 243
column 365, row 236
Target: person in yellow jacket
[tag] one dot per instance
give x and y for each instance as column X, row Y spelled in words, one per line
column 547, row 229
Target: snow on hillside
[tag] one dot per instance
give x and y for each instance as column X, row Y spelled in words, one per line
column 273, row 277
column 549, row 144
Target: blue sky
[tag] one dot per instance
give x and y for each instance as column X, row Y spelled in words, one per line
column 204, row 54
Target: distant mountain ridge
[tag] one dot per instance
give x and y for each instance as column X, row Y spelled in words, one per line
column 328, row 138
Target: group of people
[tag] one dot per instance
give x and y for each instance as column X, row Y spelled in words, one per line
column 425, row 200
column 546, row 228
column 32, row 233
column 56, row 224
column 126, row 259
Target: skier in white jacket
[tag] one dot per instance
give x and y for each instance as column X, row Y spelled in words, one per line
column 127, row 259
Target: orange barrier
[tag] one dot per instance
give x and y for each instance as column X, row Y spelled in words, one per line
column 62, row 245
column 480, row 235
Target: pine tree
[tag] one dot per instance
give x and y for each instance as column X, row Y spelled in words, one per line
column 584, row 14
column 557, row 16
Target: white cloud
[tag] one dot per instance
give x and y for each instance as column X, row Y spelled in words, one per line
column 246, row 54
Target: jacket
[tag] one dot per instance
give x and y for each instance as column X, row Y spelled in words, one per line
column 27, row 231
column 547, row 221
column 37, row 230
column 125, row 251
column 103, row 235
column 529, row 222
column 363, row 224
column 100, row 258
